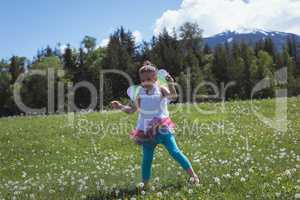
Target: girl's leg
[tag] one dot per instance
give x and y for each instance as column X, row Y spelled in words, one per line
column 148, row 152
column 170, row 144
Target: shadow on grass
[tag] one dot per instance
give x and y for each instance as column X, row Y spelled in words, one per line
column 122, row 193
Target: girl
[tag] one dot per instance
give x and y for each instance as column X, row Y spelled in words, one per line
column 154, row 125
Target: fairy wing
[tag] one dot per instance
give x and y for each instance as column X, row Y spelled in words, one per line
column 133, row 92
column 161, row 77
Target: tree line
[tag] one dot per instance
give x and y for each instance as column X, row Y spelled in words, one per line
column 183, row 53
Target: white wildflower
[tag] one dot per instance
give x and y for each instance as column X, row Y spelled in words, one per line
column 217, row 180
column 140, row 185
column 159, row 194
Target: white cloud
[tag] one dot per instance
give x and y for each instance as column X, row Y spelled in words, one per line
column 62, row 48
column 137, row 36
column 215, row 16
column 104, row 42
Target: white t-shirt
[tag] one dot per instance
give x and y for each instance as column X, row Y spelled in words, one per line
column 152, row 105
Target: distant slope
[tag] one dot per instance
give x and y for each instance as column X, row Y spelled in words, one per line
column 250, row 37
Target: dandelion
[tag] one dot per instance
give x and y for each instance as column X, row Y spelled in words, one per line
column 227, row 175
column 51, row 191
column 32, row 196
column 24, row 174
column 159, row 194
column 251, row 170
column 217, row 180
column 152, row 188
column 156, row 179
column 140, row 185
column 287, row 173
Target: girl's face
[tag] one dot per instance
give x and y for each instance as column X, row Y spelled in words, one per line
column 148, row 79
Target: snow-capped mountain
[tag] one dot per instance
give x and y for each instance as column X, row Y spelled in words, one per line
column 250, row 36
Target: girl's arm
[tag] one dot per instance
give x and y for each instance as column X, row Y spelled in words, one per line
column 127, row 109
column 171, row 91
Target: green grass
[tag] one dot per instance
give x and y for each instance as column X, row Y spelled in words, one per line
column 236, row 155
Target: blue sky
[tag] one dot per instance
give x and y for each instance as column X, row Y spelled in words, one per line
column 32, row 24
column 27, row 25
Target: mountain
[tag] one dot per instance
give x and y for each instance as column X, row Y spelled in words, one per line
column 250, row 36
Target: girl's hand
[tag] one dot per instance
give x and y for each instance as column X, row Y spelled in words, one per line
column 126, row 109
column 172, row 91
column 170, row 79
column 116, row 105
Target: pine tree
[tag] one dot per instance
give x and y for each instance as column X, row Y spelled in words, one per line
column 236, row 71
column 49, row 52
column 220, row 64
column 69, row 62
column 269, row 47
column 3, row 65
column 294, row 51
column 249, row 59
column 289, row 62
column 120, row 55
column 166, row 53
column 207, row 49
column 264, row 70
column 16, row 67
column 191, row 36
column 89, row 43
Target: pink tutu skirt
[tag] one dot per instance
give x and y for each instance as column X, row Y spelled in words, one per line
column 163, row 124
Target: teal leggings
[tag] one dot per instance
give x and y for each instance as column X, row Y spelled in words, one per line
column 168, row 140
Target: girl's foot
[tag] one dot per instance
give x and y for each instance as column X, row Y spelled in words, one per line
column 145, row 186
column 194, row 180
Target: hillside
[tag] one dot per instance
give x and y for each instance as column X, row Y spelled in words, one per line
column 251, row 37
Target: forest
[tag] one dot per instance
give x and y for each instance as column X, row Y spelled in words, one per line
column 181, row 52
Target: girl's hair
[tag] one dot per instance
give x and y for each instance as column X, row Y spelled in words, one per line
column 148, row 67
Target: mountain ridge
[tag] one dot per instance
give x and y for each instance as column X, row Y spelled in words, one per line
column 251, row 36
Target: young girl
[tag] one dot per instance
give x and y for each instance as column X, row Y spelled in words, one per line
column 154, row 125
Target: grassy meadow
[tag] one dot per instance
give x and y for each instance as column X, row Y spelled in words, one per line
column 89, row 155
